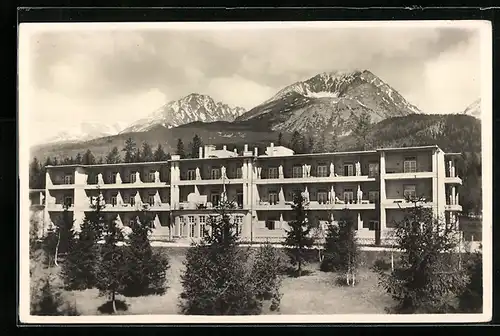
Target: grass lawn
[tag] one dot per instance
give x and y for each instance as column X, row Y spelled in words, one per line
column 316, row 293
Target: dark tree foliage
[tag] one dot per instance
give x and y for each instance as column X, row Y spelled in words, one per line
column 88, row 158
column 36, row 175
column 49, row 302
column 298, row 237
column 147, row 152
column 79, row 270
column 428, row 277
column 130, row 150
column 218, row 279
column 180, row 149
column 361, row 131
column 65, row 234
column 280, row 139
column 146, row 269
column 298, row 143
column 78, row 159
column 471, row 299
column 112, row 270
column 101, row 160
column 195, row 145
column 159, row 154
column 113, row 156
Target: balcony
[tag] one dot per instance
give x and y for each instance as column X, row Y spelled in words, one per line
column 404, row 204
column 316, row 179
column 211, row 181
column 126, row 207
column 316, row 205
column 396, row 174
column 128, row 185
column 58, row 207
column 62, row 186
column 204, row 206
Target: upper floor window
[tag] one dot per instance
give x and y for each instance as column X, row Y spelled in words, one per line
column 68, row 179
column 348, row 195
column 297, row 171
column 215, row 174
column 151, row 176
column 373, row 196
column 215, row 198
column 273, row 172
column 373, row 169
column 348, row 169
column 132, row 177
column 410, row 165
column 322, row 197
column 322, row 171
column 113, row 200
column 191, row 174
column 113, row 178
column 68, row 201
column 273, row 198
column 151, row 199
column 239, row 173
column 410, row 191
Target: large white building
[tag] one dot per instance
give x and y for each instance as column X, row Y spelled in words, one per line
column 181, row 193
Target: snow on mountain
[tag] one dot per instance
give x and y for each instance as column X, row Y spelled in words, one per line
column 474, row 109
column 84, row 132
column 194, row 107
column 331, row 99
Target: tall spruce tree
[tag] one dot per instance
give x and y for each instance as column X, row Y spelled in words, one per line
column 79, row 270
column 195, row 145
column 361, row 131
column 159, row 154
column 297, row 143
column 130, row 150
column 428, row 277
column 180, row 149
column 35, row 175
column 65, row 234
column 146, row 269
column 280, row 139
column 147, row 152
column 88, row 158
column 112, row 269
column 78, row 159
column 113, row 156
column 298, row 237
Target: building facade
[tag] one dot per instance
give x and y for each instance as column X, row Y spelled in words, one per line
column 371, row 185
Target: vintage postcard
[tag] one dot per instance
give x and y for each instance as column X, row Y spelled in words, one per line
column 278, row 172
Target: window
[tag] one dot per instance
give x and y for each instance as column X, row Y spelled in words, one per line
column 273, row 198
column 238, row 221
column 215, row 198
column 373, row 170
column 151, row 176
column 348, row 196
column 239, row 199
column 132, row 177
column 132, row 200
column 131, row 222
column 410, row 165
column 68, row 201
column 202, row 220
column 410, row 191
column 270, row 225
column 113, row 178
column 67, row 179
column 373, row 225
column 273, row 172
column 191, row 174
column 348, row 169
column 113, row 200
column 97, row 179
column 215, row 174
column 192, row 226
column 151, row 199
column 239, row 173
column 322, row 171
column 373, row 196
column 297, row 171
column 322, row 197
column 125, row 199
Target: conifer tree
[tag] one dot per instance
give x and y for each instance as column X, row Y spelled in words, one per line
column 159, row 154
column 280, row 139
column 146, row 269
column 78, row 159
column 65, row 234
column 297, row 143
column 88, row 158
column 113, row 156
column 130, row 150
column 35, row 175
column 147, row 152
column 112, row 268
column 55, row 161
column 298, row 237
column 180, row 149
column 310, row 144
column 79, row 270
column 361, row 130
column 195, row 145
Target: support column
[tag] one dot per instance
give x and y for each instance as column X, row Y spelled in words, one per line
column 453, row 196
column 380, row 232
column 360, row 222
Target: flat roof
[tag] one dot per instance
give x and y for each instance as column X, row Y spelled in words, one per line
column 374, row 151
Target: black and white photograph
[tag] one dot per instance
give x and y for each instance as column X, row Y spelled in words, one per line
column 255, row 172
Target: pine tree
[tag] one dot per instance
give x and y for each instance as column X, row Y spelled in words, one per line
column 146, row 269
column 79, row 269
column 55, row 162
column 130, row 150
column 280, row 139
column 147, row 152
column 35, row 175
column 195, row 145
column 101, row 161
column 428, row 277
column 65, row 234
column 180, row 149
column 78, row 159
column 310, row 144
column 217, row 280
column 159, row 154
column 361, row 131
column 297, row 143
column 298, row 238
column 112, row 269
column 113, row 156
column 88, row 158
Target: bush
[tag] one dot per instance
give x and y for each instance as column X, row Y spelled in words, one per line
column 471, row 300
column 381, row 265
column 48, row 300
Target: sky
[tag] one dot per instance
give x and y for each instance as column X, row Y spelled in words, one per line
column 109, row 75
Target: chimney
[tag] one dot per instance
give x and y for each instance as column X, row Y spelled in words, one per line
column 235, row 150
column 256, row 151
column 246, row 148
column 272, row 145
column 224, row 147
column 200, row 152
